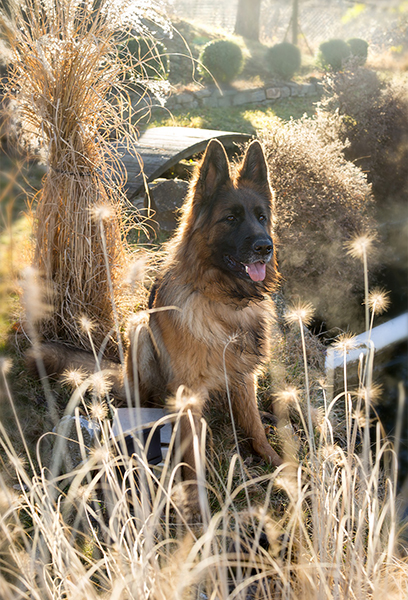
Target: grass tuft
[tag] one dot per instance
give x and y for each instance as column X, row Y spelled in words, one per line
column 66, row 95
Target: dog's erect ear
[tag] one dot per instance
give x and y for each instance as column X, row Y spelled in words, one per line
column 214, row 169
column 254, row 167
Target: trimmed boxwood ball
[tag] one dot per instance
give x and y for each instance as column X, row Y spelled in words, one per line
column 283, row 59
column 358, row 48
column 333, row 54
column 221, row 60
column 150, row 58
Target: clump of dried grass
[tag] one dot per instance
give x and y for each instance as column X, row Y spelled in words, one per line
column 66, row 95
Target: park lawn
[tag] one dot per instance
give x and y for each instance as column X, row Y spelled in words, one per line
column 242, row 119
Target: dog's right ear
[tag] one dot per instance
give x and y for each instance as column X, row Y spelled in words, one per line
column 214, row 169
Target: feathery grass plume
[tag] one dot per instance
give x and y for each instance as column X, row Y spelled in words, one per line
column 33, row 297
column 5, row 365
column 67, row 93
column 300, row 314
column 360, row 247
column 98, row 411
column 345, row 342
column 378, row 301
column 288, row 396
column 136, row 271
column 73, row 378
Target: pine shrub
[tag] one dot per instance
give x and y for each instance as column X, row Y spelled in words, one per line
column 283, row 60
column 358, row 49
column 221, row 60
column 333, row 54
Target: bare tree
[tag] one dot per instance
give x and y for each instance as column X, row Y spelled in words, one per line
column 247, row 22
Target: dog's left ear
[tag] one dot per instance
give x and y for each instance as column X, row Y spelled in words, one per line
column 254, row 167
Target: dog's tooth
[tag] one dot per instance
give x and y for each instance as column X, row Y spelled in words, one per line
column 246, row 268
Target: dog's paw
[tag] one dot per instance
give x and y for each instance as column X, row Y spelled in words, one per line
column 268, row 453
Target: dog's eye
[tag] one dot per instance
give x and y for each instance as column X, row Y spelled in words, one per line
column 262, row 218
column 231, row 218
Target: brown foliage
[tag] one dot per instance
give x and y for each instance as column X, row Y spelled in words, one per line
column 321, row 202
column 373, row 118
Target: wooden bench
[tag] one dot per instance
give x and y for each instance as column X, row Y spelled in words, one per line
column 161, row 148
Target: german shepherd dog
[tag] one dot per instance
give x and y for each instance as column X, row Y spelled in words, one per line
column 211, row 312
column 219, row 271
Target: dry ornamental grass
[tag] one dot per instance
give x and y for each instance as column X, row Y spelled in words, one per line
column 66, row 95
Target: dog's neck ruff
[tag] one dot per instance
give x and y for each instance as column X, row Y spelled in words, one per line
column 230, row 295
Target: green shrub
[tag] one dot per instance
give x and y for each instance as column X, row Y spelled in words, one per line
column 333, row 54
column 221, row 60
column 149, row 58
column 358, row 48
column 283, row 60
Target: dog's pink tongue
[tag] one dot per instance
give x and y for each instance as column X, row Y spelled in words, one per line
column 256, row 271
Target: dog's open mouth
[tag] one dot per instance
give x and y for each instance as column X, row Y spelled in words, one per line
column 255, row 271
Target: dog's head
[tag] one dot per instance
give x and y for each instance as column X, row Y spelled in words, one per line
column 231, row 213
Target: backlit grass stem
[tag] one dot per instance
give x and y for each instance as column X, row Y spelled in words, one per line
column 302, row 315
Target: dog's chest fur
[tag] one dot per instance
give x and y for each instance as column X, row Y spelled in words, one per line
column 210, row 339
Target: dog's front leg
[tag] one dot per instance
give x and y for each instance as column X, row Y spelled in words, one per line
column 246, row 414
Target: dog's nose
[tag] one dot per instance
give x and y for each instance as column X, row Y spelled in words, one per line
column 263, row 247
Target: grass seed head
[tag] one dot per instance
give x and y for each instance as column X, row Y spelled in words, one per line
column 33, row 296
column 73, row 378
column 317, row 413
column 345, row 342
column 332, row 454
column 183, row 400
column 101, row 454
column 98, row 410
column 372, row 394
column 100, row 383
column 102, row 212
column 300, row 313
column 5, row 365
column 360, row 245
column 86, row 324
column 378, row 301
column 136, row 271
column 288, row 396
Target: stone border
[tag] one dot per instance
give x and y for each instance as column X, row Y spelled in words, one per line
column 213, row 97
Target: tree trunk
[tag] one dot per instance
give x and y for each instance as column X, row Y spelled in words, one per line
column 247, row 21
column 295, row 22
